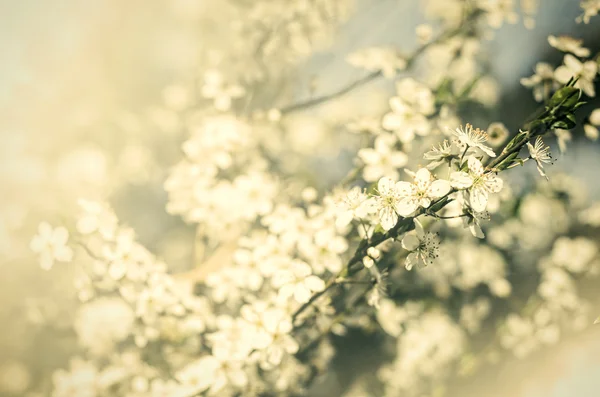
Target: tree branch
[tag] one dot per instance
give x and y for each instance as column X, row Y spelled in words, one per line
column 446, row 35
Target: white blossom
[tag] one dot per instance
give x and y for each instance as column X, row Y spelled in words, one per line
column 474, row 138
column 51, row 245
column 478, row 182
column 421, row 193
column 497, row 134
column 585, row 72
column 269, row 332
column 423, row 247
column 386, row 60
column 382, row 160
column 410, row 110
column 542, row 81
column 498, row 11
column 444, row 152
column 569, row 44
column 473, row 221
column 541, row 154
column 355, row 205
column 297, row 281
column 214, row 372
column 216, row 88
column 590, row 8
column 387, row 203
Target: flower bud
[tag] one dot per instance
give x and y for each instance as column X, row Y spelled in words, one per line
column 566, row 97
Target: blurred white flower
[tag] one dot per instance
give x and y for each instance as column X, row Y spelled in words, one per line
column 102, row 323
column 382, row 160
column 591, row 128
column 584, row 72
column 569, row 44
column 590, row 8
column 410, row 109
column 355, row 205
column 96, row 217
column 497, row 134
column 51, row 245
column 498, row 11
column 269, row 332
column 214, row 372
column 297, row 281
column 542, row 81
column 574, row 254
column 216, row 88
column 81, row 380
column 386, row 60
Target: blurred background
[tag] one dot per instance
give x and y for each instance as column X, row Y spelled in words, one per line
column 88, row 109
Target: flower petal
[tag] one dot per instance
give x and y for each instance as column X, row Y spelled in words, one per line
column 302, row 294
column 388, row 218
column 407, row 206
column 476, row 230
column 411, row 260
column 314, row 283
column 405, row 189
column 562, row 74
column 385, row 186
column 478, row 198
column 487, row 150
column 392, row 122
column 475, row 166
column 493, row 183
column 439, row 188
column 410, row 242
column 369, row 156
column 461, row 180
column 423, row 177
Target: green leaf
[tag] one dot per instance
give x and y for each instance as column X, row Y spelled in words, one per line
column 565, row 124
column 507, row 162
column 439, row 205
column 537, row 127
column 566, row 97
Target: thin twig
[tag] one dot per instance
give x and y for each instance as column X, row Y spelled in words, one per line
column 374, row 75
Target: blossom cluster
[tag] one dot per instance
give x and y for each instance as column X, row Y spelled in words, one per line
column 425, row 243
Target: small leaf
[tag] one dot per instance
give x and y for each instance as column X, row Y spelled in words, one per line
column 537, row 127
column 566, row 97
column 564, row 124
column 439, row 205
column 507, row 162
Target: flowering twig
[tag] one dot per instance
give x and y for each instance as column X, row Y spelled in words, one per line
column 559, row 110
column 410, row 60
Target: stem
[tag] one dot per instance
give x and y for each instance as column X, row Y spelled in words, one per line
column 446, row 217
column 463, row 154
column 404, row 225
